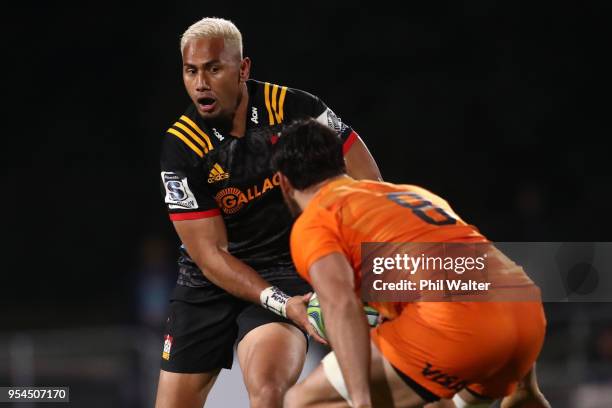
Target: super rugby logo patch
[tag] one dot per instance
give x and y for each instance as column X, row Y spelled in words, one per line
column 178, row 194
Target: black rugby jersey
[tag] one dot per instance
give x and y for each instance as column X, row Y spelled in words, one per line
column 205, row 173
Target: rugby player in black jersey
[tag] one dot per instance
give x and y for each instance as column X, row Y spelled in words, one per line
column 236, row 280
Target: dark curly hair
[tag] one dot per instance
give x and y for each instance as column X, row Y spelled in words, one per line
column 307, row 153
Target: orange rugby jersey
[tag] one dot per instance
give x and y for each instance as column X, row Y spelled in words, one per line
column 347, row 212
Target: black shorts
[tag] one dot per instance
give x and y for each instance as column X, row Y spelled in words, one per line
column 200, row 335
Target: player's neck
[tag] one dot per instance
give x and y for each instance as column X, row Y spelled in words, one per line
column 304, row 197
column 239, row 121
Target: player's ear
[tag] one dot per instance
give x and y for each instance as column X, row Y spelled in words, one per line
column 245, row 69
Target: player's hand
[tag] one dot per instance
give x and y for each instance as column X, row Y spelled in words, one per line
column 296, row 311
column 523, row 398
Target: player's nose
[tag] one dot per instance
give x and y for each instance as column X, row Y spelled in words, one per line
column 202, row 83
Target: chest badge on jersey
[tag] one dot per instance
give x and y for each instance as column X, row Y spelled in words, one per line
column 217, row 174
column 232, row 199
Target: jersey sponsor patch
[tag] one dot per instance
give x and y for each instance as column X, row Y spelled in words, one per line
column 218, row 135
column 329, row 119
column 232, row 199
column 178, row 194
column 254, row 115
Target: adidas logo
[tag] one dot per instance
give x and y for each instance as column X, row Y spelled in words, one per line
column 217, row 174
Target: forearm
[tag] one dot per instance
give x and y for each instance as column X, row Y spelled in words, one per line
column 206, row 243
column 231, row 274
column 348, row 335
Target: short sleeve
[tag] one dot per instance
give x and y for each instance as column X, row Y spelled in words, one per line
column 316, row 108
column 315, row 235
column 183, row 182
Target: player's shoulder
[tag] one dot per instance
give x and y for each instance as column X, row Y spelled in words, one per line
column 338, row 191
column 321, row 211
column 274, row 93
column 188, row 136
column 281, row 103
column 307, row 219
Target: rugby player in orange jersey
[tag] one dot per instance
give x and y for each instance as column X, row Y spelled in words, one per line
column 473, row 352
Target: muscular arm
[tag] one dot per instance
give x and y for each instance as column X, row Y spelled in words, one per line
column 206, row 243
column 345, row 323
column 360, row 164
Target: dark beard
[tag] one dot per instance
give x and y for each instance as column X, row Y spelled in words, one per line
column 294, row 208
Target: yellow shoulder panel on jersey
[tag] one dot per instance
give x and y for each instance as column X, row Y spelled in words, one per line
column 197, row 129
column 186, row 129
column 186, row 140
column 275, row 103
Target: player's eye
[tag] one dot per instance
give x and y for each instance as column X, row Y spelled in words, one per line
column 215, row 69
column 190, row 70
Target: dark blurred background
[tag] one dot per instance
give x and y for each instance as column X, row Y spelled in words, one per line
column 500, row 107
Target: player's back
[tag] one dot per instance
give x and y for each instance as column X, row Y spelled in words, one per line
column 376, row 212
column 443, row 345
column 383, row 212
column 370, row 211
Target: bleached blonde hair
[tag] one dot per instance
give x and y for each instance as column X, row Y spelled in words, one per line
column 214, row 27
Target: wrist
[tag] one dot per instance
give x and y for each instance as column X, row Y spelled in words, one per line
column 275, row 300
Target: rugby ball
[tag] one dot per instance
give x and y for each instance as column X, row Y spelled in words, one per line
column 315, row 315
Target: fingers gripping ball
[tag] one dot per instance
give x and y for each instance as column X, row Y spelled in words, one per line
column 315, row 316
